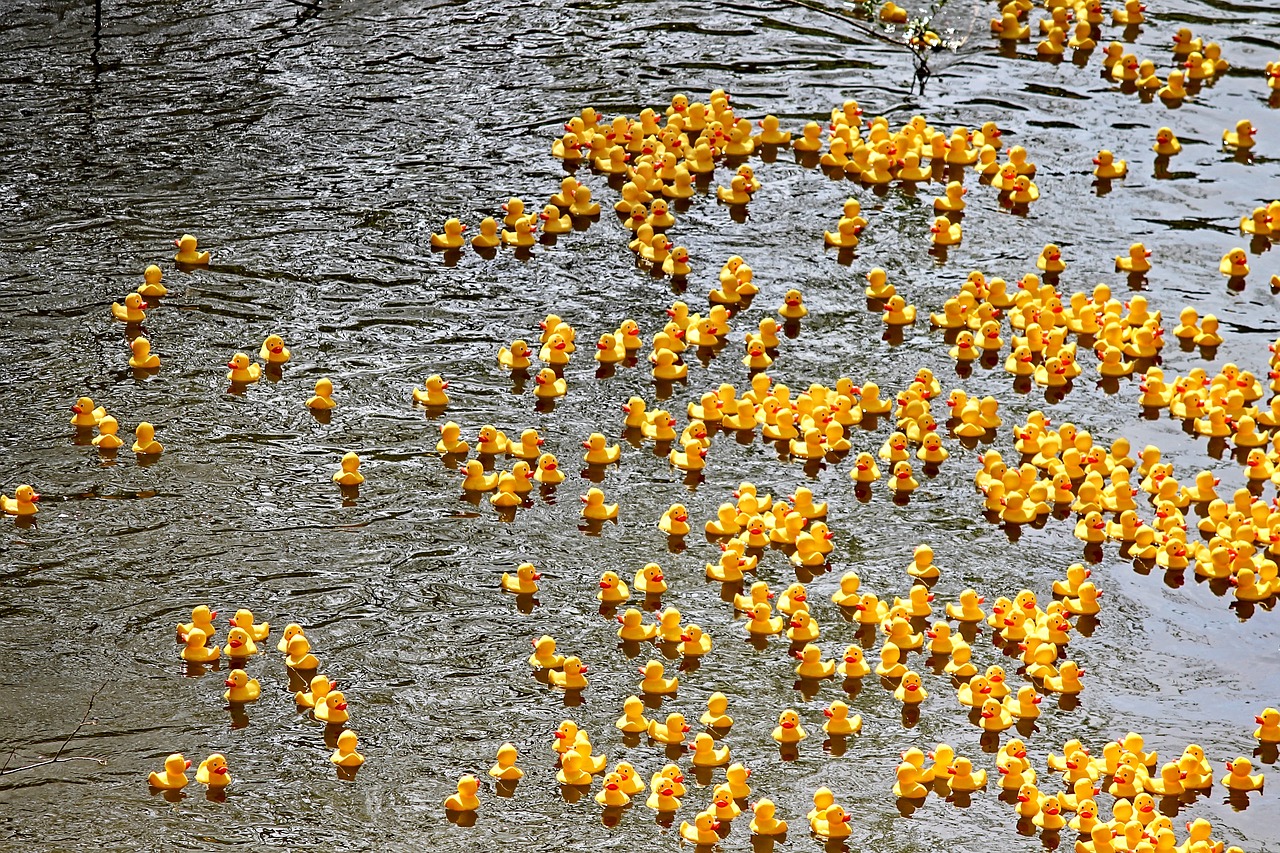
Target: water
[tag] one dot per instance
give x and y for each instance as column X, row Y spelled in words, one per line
column 313, row 154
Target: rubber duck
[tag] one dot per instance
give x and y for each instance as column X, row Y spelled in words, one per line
column 187, row 252
column 833, row 823
column 963, row 779
column 634, row 628
column 572, row 676
column 802, row 627
column 811, row 665
column 897, row 313
column 524, row 581
column 633, row 718
column 195, row 650
column 202, row 618
column 333, row 709
column 953, row 199
column 174, row 776
column 789, row 729
column 476, row 479
column 548, row 385
column 23, row 503
column 694, row 642
column 762, row 622
column 214, row 772
column 675, row 521
column 346, row 755
column 142, row 358
column 911, row 690
column 793, row 306
column 1107, row 167
column 241, row 688
column 994, row 717
column 654, row 683
column 945, row 232
column 239, row 644
column 670, row 732
column 1241, row 137
column 319, row 687
column 243, row 371
column 1234, row 264
column 243, row 618
column 146, row 444
column 1173, row 91
column 465, row 799
column 1238, row 778
column 703, row 831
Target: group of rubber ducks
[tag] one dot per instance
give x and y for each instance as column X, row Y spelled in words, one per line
column 320, row 698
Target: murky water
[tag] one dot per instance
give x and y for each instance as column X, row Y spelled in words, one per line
column 313, row 154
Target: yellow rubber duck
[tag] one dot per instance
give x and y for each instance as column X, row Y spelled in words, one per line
column 243, row 371
column 146, row 444
column 524, row 581
column 346, row 754
column 1167, row 143
column 213, row 771
column 476, row 479
column 793, row 307
column 151, row 285
column 599, row 451
column 1234, row 264
column 832, row 824
column 131, row 311
column 333, row 709
column 953, row 199
column 452, row 237
column 174, row 775
column 572, row 676
column 1238, row 777
column 241, row 688
column 85, row 415
column 432, row 393
column 465, row 799
column 187, row 252
column 703, row 831
column 896, row 313
column 243, row 618
column 594, row 507
column 142, row 358
column 322, row 400
column 274, row 351
column 319, row 687
column 670, row 732
column 293, row 629
column 488, row 238
column 23, row 502
column 789, row 730
column 201, row 617
column 548, row 385
column 349, row 474
column 945, row 232
column 195, row 650
column 1268, row 730
column 239, row 644
column 1242, row 136
column 1107, row 167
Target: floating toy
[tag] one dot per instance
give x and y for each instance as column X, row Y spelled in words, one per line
column 333, row 709
column 23, row 502
column 174, row 776
column 345, row 755
column 187, row 252
column 241, row 688
column 243, row 371
column 349, row 474
column 465, row 799
column 322, row 400
column 274, row 351
column 1241, row 137
column 213, row 772
column 195, row 650
column 239, row 644
column 142, row 358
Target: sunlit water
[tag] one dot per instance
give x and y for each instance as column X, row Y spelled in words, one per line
column 313, row 154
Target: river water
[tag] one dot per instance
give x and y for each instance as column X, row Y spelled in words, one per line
column 313, row 151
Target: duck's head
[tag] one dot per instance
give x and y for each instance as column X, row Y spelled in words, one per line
column 238, row 678
column 238, row 639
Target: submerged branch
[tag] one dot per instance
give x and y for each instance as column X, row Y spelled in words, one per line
column 58, row 757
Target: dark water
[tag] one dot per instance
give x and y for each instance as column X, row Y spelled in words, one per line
column 313, row 154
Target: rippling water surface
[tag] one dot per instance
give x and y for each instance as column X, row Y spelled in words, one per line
column 313, row 153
